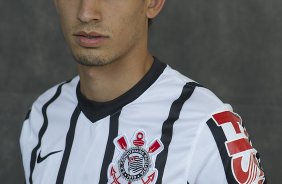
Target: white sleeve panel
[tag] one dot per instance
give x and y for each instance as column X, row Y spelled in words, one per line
column 28, row 140
column 24, row 143
column 205, row 164
column 30, row 130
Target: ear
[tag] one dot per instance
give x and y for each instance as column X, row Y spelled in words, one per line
column 154, row 7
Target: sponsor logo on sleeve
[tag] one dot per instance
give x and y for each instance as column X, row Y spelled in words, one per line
column 245, row 163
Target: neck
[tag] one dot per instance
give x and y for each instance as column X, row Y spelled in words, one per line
column 105, row 83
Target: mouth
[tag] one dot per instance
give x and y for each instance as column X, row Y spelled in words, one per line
column 90, row 40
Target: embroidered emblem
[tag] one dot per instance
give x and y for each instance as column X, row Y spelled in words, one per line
column 134, row 164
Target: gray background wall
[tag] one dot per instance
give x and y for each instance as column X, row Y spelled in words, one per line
column 233, row 47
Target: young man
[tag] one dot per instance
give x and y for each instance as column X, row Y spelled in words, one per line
column 129, row 118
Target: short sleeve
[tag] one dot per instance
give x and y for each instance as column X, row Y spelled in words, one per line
column 206, row 165
column 223, row 153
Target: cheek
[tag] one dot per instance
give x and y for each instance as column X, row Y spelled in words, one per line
column 67, row 13
column 126, row 15
column 128, row 24
column 125, row 32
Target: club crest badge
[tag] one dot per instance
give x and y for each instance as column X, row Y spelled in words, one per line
column 134, row 164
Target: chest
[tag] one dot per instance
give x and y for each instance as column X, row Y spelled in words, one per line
column 116, row 149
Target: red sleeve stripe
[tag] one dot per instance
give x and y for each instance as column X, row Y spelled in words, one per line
column 227, row 117
column 238, row 146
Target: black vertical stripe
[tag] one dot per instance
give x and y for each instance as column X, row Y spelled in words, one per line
column 220, row 140
column 68, row 146
column 110, row 148
column 42, row 130
column 167, row 128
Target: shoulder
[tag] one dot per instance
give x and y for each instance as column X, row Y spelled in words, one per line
column 202, row 101
column 62, row 92
column 61, row 89
column 221, row 142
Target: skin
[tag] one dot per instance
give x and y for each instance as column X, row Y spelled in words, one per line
column 118, row 63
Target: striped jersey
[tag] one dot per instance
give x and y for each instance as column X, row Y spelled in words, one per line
column 166, row 129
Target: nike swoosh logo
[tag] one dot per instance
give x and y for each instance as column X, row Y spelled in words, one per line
column 40, row 159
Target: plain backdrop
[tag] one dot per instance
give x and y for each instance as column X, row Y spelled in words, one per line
column 232, row 47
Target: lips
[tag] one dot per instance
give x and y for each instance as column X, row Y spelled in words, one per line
column 90, row 40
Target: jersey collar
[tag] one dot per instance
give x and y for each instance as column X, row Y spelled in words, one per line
column 95, row 111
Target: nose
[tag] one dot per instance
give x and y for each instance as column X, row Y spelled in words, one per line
column 90, row 10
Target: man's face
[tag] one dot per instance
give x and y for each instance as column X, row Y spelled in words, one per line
column 101, row 31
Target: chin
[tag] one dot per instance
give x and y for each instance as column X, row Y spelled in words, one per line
column 92, row 59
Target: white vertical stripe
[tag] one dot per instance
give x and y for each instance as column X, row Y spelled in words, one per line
column 88, row 150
